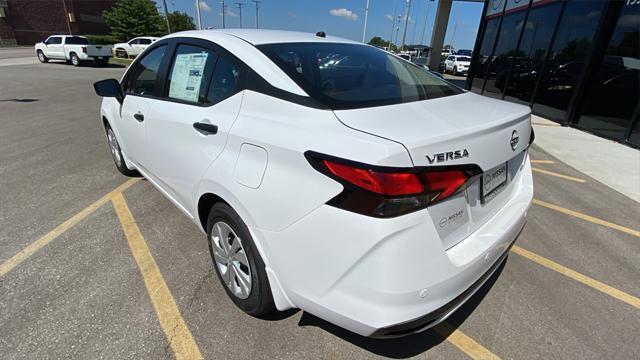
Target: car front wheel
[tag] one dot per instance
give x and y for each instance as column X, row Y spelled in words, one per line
column 237, row 262
column 116, row 154
column 41, row 57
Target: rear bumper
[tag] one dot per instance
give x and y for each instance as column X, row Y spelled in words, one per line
column 437, row 316
column 84, row 56
column 387, row 277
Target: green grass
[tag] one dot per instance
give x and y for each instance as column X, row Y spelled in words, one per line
column 120, row 61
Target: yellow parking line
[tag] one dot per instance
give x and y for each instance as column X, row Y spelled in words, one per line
column 463, row 342
column 571, row 178
column 542, row 162
column 171, row 321
column 47, row 238
column 587, row 218
column 611, row 291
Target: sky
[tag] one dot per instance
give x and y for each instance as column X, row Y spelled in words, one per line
column 344, row 18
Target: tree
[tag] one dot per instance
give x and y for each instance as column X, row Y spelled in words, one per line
column 382, row 43
column 130, row 18
column 180, row 21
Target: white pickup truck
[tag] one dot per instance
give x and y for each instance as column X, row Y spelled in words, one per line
column 74, row 49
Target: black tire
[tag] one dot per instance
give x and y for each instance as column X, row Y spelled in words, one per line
column 118, row 159
column 455, row 70
column 122, row 53
column 75, row 60
column 260, row 300
column 41, row 57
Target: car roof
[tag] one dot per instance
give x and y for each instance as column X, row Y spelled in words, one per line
column 67, row 35
column 263, row 36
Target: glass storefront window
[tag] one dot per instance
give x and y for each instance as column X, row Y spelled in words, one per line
column 503, row 55
column 480, row 66
column 611, row 101
column 531, row 53
column 573, row 44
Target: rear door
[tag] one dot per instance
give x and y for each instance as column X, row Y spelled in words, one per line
column 188, row 128
column 141, row 85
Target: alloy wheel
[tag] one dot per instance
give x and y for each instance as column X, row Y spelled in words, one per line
column 114, row 147
column 231, row 260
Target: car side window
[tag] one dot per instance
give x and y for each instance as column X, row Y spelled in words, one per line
column 54, row 40
column 142, row 79
column 225, row 81
column 133, row 42
column 190, row 73
column 144, row 41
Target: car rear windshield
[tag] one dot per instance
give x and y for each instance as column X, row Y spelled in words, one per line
column 464, row 58
column 76, row 41
column 348, row 76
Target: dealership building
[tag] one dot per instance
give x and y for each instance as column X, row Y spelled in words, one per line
column 575, row 62
column 26, row 22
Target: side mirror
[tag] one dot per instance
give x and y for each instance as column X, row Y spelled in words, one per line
column 109, row 88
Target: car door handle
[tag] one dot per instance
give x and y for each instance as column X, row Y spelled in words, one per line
column 205, row 128
column 139, row 117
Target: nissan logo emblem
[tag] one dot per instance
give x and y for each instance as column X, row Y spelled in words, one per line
column 514, row 140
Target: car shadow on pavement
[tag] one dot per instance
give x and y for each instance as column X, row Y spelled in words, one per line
column 90, row 65
column 19, row 100
column 411, row 345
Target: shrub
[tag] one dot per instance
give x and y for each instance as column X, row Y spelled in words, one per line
column 102, row 39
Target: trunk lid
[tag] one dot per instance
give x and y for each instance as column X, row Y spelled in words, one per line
column 468, row 121
column 456, row 130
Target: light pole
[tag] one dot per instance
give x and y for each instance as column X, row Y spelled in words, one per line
column 240, row 6
column 406, row 23
column 366, row 17
column 424, row 28
column 257, row 2
column 166, row 16
column 224, row 9
column 415, row 24
column 198, row 14
column 393, row 22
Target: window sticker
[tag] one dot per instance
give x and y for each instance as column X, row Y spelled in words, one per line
column 186, row 76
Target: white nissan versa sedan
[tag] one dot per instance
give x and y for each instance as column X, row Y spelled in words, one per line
column 328, row 175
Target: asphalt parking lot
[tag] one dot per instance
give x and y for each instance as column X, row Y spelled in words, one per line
column 95, row 265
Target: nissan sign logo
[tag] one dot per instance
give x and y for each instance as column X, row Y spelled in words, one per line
column 514, row 140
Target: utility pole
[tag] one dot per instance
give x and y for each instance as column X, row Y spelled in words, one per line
column 257, row 7
column 406, row 23
column 240, row 6
column 198, row 14
column 393, row 22
column 66, row 15
column 224, row 9
column 424, row 28
column 166, row 16
column 366, row 17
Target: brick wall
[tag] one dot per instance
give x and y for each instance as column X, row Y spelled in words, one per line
column 32, row 21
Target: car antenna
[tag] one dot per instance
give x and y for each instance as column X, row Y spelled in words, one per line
column 321, row 34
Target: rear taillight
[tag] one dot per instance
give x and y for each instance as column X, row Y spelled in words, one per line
column 388, row 192
column 84, row 49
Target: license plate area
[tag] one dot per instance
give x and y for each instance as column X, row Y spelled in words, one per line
column 493, row 182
